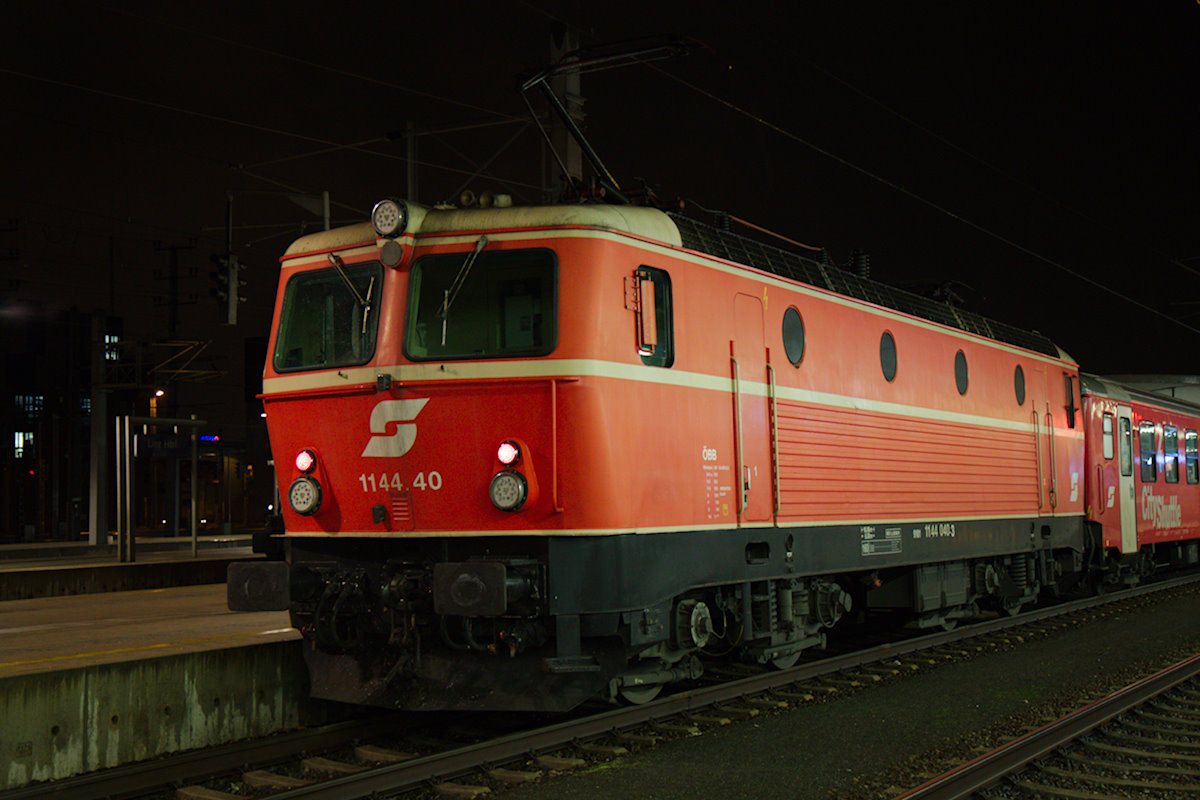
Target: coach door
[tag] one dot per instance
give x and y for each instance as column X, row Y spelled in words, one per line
column 751, row 420
column 1125, row 479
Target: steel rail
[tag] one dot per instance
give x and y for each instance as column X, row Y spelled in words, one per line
column 991, row 767
column 468, row 759
column 133, row 780
column 146, row 777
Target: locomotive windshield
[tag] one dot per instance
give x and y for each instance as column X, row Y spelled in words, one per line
column 504, row 306
column 329, row 317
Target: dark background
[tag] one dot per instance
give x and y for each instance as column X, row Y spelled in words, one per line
column 1039, row 159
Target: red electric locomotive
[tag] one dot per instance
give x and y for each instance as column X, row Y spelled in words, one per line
column 536, row 455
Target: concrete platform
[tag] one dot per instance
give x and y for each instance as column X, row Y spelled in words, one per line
column 27, row 551
column 67, row 568
column 90, row 682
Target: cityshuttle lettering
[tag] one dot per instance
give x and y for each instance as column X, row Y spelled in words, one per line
column 1164, row 512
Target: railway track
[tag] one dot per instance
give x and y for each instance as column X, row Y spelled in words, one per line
column 1142, row 741
column 463, row 758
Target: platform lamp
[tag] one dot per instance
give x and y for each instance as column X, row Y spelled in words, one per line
column 154, row 402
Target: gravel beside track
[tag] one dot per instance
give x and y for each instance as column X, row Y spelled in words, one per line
column 881, row 740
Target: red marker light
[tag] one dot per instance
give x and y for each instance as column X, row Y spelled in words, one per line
column 305, row 460
column 508, row 453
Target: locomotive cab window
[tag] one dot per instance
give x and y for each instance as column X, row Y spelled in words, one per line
column 1171, row 454
column 329, row 317
column 1191, row 454
column 1148, row 452
column 655, row 325
column 483, row 304
column 1107, row 438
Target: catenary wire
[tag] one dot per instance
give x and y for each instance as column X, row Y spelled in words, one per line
column 921, row 199
column 314, row 64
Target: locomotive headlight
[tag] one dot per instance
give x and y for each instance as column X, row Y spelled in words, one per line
column 508, row 490
column 389, row 218
column 304, row 495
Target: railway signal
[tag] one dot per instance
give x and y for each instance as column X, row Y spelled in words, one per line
column 227, row 285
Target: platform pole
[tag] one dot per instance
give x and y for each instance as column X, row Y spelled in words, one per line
column 195, row 464
column 130, row 554
column 118, row 440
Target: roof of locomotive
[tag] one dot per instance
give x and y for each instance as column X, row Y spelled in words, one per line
column 678, row 230
column 640, row 221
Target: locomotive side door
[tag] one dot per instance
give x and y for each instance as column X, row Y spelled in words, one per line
column 1125, row 491
column 752, row 434
column 1043, row 433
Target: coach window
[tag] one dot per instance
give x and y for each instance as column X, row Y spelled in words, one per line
column 1108, row 436
column 1171, row 454
column 1019, row 385
column 1147, row 452
column 1191, row 456
column 960, row 372
column 1126, row 445
column 655, row 326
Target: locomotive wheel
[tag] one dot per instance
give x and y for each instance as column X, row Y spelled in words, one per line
column 786, row 662
column 1012, row 607
column 637, row 695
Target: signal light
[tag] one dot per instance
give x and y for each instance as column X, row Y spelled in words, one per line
column 508, row 453
column 305, row 461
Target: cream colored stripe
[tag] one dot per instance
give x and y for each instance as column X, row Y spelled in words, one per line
column 323, row 258
column 566, row 368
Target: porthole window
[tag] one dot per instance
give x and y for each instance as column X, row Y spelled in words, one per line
column 887, row 356
column 960, row 372
column 793, row 336
column 1019, row 384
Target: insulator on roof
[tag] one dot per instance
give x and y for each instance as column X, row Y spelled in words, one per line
column 860, row 263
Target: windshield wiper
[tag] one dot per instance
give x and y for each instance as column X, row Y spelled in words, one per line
column 363, row 302
column 457, row 285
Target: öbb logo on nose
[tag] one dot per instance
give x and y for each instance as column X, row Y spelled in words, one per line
column 399, row 442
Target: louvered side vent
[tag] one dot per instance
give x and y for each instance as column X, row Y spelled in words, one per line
column 402, row 512
column 734, row 247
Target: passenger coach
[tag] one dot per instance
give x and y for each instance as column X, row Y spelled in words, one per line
column 1143, row 471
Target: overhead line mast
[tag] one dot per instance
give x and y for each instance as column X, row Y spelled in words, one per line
column 571, row 65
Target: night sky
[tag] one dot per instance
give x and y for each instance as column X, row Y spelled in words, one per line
column 1039, row 158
